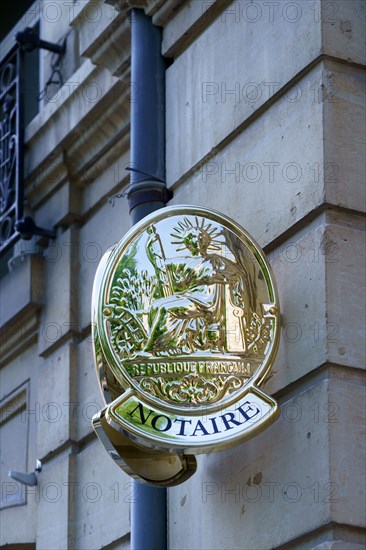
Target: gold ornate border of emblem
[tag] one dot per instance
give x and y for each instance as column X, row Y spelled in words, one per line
column 185, row 319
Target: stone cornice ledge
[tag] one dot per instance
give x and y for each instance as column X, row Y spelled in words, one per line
column 104, row 35
column 159, row 10
column 69, row 135
column 21, row 298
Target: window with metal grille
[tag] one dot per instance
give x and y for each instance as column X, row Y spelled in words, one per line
column 19, row 88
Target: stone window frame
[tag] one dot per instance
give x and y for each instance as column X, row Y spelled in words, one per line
column 12, row 405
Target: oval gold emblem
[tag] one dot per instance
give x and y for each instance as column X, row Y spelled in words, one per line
column 186, row 321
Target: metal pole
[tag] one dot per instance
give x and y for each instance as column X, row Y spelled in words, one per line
column 148, row 518
column 146, row 194
column 148, row 190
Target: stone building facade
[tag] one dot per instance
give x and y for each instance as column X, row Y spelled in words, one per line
column 265, row 123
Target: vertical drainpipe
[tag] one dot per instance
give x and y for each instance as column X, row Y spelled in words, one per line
column 147, row 193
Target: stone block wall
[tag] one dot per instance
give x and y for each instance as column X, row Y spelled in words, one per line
column 265, row 123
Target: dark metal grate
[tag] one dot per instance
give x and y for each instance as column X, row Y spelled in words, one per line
column 11, row 147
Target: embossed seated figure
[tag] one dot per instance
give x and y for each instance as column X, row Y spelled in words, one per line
column 195, row 292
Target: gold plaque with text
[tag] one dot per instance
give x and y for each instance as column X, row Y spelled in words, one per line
column 186, row 321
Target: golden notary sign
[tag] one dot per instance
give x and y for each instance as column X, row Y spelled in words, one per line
column 185, row 317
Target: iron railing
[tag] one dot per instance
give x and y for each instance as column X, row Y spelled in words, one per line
column 11, row 146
